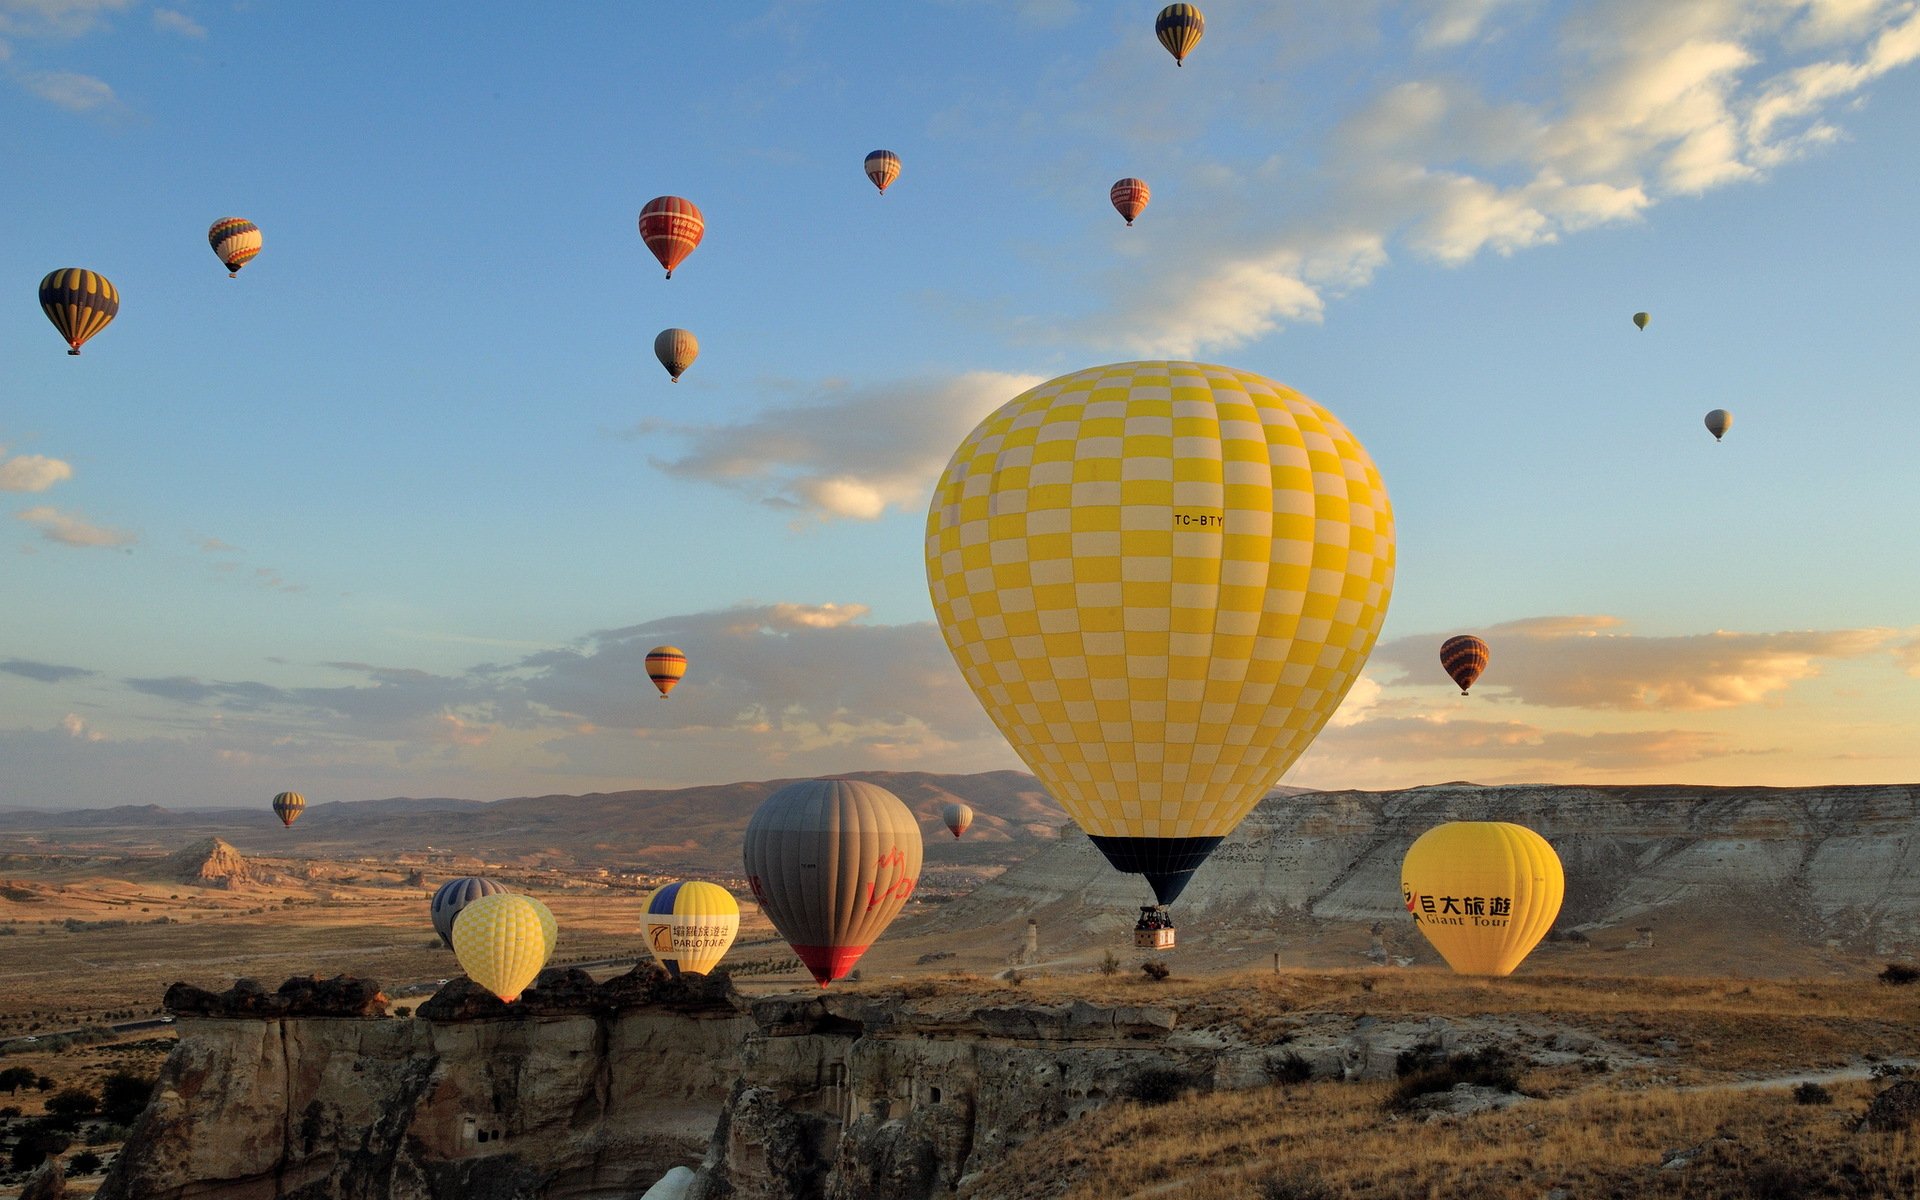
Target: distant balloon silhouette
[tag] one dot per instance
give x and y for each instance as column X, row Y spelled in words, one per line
column 79, row 302
column 288, row 806
column 957, row 817
column 883, row 167
column 1179, row 28
column 235, row 240
column 1130, row 197
column 1641, row 319
column 676, row 349
column 666, row 666
column 672, row 228
column 1718, row 422
column 1463, row 658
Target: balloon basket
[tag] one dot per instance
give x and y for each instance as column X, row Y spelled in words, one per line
column 1153, row 939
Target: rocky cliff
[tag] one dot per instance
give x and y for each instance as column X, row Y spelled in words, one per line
column 1833, row 866
column 592, row 1092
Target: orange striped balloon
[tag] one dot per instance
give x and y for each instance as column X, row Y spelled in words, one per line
column 1130, row 197
column 883, row 167
column 235, row 240
column 666, row 665
column 1463, row 658
column 672, row 227
column 79, row 303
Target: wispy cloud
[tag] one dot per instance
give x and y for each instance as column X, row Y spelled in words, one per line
column 57, row 18
column 1593, row 663
column 169, row 20
column 70, row 90
column 69, row 530
column 854, row 452
column 42, row 672
column 31, row 472
column 1648, row 100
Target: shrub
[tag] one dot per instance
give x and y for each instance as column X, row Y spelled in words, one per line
column 1155, row 970
column 1288, row 1068
column 1294, row 1185
column 1899, row 975
column 1422, row 1057
column 1490, row 1068
column 403, row 1010
column 1810, row 1092
column 1109, row 965
column 14, row 1078
column 1159, row 1085
column 84, row 1163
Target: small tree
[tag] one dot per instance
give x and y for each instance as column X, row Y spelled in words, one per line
column 14, row 1078
column 68, row 1105
column 84, row 1163
column 43, row 1084
column 38, row 1142
column 124, row 1096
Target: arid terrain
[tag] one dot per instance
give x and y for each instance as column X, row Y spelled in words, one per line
column 1716, row 946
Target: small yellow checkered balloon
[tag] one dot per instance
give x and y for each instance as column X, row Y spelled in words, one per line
column 1160, row 579
column 503, row 940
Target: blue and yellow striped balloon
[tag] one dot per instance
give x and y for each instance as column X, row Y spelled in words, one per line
column 690, row 926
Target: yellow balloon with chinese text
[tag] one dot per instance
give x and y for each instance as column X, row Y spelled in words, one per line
column 1483, row 892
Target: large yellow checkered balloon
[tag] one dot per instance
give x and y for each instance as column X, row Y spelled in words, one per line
column 1160, row 579
column 503, row 940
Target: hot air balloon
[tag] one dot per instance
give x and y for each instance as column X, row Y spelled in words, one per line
column 956, row 817
column 503, row 940
column 690, row 926
column 288, row 806
column 672, row 227
column 676, row 349
column 1179, row 28
column 832, row 862
column 453, row 897
column 665, row 666
column 1463, row 657
column 1641, row 319
column 1130, row 197
column 1160, row 579
column 1483, row 892
column 235, row 240
column 79, row 303
column 1718, row 422
column 883, row 167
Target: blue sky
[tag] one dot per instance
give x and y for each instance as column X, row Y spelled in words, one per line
column 399, row 510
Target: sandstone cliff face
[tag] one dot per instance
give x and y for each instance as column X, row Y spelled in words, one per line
column 596, row 1092
column 1838, row 864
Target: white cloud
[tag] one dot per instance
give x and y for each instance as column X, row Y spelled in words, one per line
column 1622, row 104
column 1591, row 663
column 856, row 453
column 57, row 18
column 77, row 728
column 69, row 530
column 32, row 473
column 71, row 91
column 169, row 20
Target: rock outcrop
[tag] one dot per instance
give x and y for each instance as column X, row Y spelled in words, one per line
column 312, row 996
column 587, row 1091
column 209, row 863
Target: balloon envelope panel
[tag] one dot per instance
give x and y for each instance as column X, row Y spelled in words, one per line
column 1483, row 892
column 1160, row 580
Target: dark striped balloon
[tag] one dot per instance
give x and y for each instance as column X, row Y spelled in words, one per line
column 1179, row 28
column 671, row 227
column 288, row 806
column 666, row 666
column 79, row 303
column 1463, row 658
column 453, row 896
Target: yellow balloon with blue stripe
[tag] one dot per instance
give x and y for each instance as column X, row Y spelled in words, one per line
column 502, row 942
column 1483, row 892
column 690, row 926
column 1160, row 579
